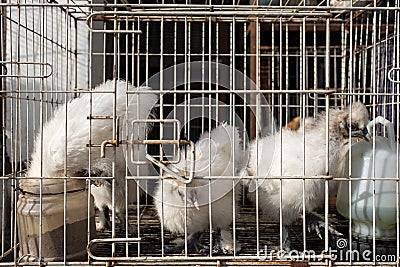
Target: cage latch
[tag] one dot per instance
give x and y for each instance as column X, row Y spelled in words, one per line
column 179, row 176
column 184, row 177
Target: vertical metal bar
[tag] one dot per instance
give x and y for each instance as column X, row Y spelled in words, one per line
column 209, row 180
column 75, row 53
column 217, row 44
column 378, row 70
column 186, row 121
column 287, row 68
column 146, row 54
column 335, row 71
column 232, row 114
column 104, row 51
column 281, row 240
column 360, row 58
column 303, row 112
column 126, row 210
column 350, row 86
column 67, row 44
column 315, row 68
column 3, row 110
column 252, row 29
column 327, row 86
column 365, row 60
column 257, row 120
column 14, row 104
column 89, row 203
column 18, row 102
column 396, row 88
column 138, row 53
column 202, row 74
column 133, row 47
column 12, row 148
column 287, row 119
column 161, row 88
column 245, row 98
column 210, row 73
column 115, row 76
column 343, row 56
column 386, row 65
column 374, row 102
column 43, row 96
column 210, row 101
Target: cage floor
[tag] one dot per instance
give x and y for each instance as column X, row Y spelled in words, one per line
column 246, row 234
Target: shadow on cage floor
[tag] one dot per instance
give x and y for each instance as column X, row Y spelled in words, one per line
column 246, row 233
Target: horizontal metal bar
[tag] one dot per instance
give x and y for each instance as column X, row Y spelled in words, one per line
column 240, row 91
column 158, row 142
column 206, row 91
column 206, row 12
column 292, row 54
column 196, row 7
column 320, row 177
column 340, row 91
column 227, row 177
column 198, row 261
column 45, row 178
column 116, row 31
column 100, row 117
column 178, row 142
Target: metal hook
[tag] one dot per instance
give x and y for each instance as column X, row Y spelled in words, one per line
column 103, row 145
column 109, row 240
column 113, row 142
column 391, row 74
column 108, row 15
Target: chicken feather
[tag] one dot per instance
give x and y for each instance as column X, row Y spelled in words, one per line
column 218, row 153
column 60, row 149
column 302, row 152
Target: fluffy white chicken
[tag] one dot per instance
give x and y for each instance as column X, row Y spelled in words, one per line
column 61, row 148
column 218, row 153
column 295, row 156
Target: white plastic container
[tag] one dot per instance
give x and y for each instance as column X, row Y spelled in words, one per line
column 362, row 201
column 28, row 209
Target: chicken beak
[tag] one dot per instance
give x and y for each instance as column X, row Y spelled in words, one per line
column 362, row 134
column 193, row 199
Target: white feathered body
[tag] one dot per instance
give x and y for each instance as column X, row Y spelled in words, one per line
column 295, row 153
column 218, row 153
column 63, row 141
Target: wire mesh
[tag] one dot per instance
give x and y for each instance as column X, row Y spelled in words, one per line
column 254, row 65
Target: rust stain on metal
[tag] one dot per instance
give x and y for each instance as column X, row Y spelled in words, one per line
column 299, row 264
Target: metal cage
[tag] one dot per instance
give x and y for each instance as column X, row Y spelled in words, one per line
column 255, row 65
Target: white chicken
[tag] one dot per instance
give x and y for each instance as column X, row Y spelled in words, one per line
column 61, row 148
column 294, row 155
column 218, row 153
